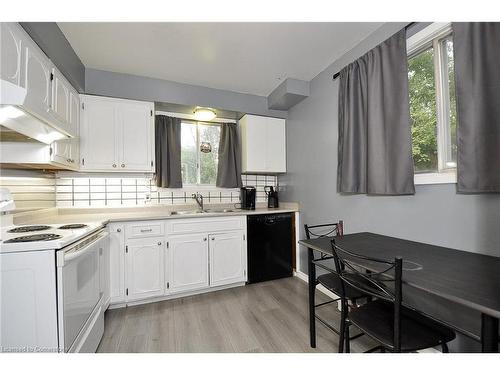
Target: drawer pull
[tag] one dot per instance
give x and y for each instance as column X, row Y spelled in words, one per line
column 118, row 230
column 146, row 230
column 159, row 243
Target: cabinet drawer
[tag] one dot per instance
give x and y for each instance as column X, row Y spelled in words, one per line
column 205, row 225
column 143, row 229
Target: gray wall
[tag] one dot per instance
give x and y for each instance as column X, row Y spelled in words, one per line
column 435, row 214
column 99, row 82
column 54, row 44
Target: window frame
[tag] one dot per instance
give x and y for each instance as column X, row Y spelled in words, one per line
column 433, row 36
column 198, row 152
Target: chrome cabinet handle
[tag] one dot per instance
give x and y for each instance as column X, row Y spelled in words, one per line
column 204, row 239
column 123, row 165
column 159, row 243
column 118, row 230
column 213, row 238
column 146, row 230
column 114, row 165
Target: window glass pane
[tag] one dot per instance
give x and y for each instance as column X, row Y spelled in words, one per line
column 423, row 113
column 209, row 153
column 188, row 153
column 451, row 161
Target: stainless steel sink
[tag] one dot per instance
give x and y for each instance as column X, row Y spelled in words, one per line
column 218, row 211
column 195, row 212
column 187, row 212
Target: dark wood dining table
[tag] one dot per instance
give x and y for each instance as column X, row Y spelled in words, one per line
column 466, row 278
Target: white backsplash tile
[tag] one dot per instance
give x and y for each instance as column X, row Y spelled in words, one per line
column 90, row 191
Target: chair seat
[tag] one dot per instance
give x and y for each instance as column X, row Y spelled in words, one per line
column 333, row 283
column 417, row 331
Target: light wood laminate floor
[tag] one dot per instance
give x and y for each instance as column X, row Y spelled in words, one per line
column 264, row 317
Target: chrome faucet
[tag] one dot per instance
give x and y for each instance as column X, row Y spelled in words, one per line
column 199, row 199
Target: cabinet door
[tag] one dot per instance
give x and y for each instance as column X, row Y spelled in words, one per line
column 276, row 145
column 227, row 258
column 187, row 263
column 255, row 143
column 11, row 53
column 60, row 100
column 117, row 263
column 37, row 69
column 66, row 152
column 74, row 113
column 104, row 272
column 145, row 268
column 135, row 132
column 98, row 135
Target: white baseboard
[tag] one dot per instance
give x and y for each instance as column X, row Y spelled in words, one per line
column 321, row 288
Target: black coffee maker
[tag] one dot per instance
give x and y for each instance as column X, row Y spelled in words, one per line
column 247, row 197
column 272, row 197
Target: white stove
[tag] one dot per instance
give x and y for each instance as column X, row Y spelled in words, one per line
column 19, row 238
column 55, row 286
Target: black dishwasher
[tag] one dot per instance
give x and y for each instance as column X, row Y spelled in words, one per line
column 269, row 247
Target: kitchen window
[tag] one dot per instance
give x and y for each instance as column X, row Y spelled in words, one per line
column 199, row 152
column 433, row 104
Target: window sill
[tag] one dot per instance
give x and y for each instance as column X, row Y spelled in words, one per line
column 436, row 178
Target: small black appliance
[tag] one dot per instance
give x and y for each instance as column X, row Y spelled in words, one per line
column 272, row 197
column 248, row 198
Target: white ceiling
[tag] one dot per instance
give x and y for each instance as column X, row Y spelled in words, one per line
column 244, row 57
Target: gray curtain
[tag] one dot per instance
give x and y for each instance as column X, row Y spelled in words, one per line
column 477, row 78
column 229, row 168
column 374, row 146
column 168, row 152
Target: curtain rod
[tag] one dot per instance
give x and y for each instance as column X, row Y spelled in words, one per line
column 186, row 116
column 336, row 75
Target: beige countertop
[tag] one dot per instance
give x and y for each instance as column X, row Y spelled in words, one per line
column 105, row 215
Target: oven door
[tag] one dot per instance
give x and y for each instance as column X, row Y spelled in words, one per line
column 78, row 286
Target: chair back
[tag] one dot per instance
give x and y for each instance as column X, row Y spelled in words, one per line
column 324, row 230
column 385, row 285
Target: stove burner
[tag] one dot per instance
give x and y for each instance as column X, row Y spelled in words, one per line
column 73, row 226
column 35, row 237
column 29, row 228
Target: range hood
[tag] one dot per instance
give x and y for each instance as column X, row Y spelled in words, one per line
column 17, row 123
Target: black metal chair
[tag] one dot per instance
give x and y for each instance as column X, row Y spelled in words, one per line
column 330, row 281
column 395, row 327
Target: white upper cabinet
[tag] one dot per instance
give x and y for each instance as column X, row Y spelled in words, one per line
column 37, row 73
column 74, row 112
column 263, row 144
column 11, row 43
column 135, row 130
column 98, row 135
column 66, row 152
column 48, row 94
column 116, row 135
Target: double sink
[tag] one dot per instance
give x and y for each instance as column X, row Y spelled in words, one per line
column 207, row 211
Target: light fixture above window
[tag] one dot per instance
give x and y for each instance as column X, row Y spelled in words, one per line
column 204, row 114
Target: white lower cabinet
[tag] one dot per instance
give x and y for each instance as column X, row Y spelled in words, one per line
column 228, row 258
column 117, row 262
column 187, row 263
column 157, row 258
column 145, row 275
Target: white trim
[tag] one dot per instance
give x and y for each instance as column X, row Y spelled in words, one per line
column 186, row 116
column 436, row 178
column 297, row 239
column 426, row 35
column 301, row 275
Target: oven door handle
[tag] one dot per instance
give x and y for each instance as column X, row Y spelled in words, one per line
column 71, row 255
